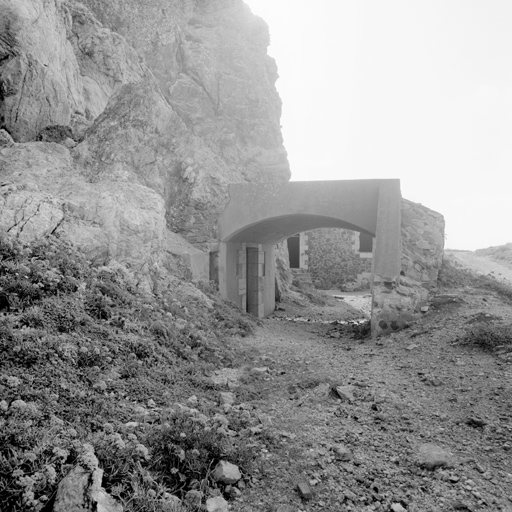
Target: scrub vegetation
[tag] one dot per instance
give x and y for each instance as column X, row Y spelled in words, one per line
column 90, row 363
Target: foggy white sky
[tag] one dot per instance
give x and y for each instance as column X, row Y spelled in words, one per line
column 419, row 90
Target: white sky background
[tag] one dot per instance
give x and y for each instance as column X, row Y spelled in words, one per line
column 419, row 90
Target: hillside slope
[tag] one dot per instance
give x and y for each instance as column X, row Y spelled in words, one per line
column 494, row 261
column 149, row 392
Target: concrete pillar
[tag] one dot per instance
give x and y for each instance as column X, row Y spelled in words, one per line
column 390, row 310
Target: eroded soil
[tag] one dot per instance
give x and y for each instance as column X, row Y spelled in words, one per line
column 417, row 386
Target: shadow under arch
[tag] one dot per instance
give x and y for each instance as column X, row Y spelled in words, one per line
column 276, row 229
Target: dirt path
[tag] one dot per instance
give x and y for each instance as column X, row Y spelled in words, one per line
column 414, row 387
column 481, row 264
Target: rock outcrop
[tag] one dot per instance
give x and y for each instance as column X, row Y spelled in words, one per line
column 165, row 106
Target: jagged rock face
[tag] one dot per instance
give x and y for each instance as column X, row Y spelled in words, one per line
column 59, row 66
column 158, row 144
column 210, row 60
column 140, row 139
column 39, row 77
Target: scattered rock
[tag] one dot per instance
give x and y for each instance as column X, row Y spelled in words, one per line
column 346, row 393
column 81, row 490
column 171, row 502
column 459, row 505
column 396, row 507
column 227, row 398
column 432, row 456
column 473, row 421
column 349, row 495
column 305, row 491
column 259, row 371
column 217, row 504
column 226, row 472
column 342, row 453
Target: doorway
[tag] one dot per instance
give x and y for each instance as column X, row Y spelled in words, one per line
column 294, row 250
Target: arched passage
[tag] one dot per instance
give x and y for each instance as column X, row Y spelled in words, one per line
column 260, row 215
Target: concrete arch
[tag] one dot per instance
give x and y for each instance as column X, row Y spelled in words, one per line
column 260, row 215
column 351, row 202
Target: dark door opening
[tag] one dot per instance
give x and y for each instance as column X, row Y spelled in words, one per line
column 294, row 251
column 365, row 242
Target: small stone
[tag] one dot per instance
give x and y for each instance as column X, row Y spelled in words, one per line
column 192, row 400
column 226, row 473
column 396, row 507
column 151, row 403
column 217, row 504
column 227, row 398
column 349, row 495
column 342, row 453
column 412, row 346
column 432, row 456
column 479, row 468
column 473, row 421
column 69, row 143
column 193, row 498
column 305, row 491
column 171, row 502
column 235, row 493
column 459, row 505
column 259, row 371
column 346, row 393
column 101, row 385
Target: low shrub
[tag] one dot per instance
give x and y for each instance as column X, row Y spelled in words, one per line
column 488, row 336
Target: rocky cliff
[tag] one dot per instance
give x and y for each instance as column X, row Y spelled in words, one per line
column 123, row 123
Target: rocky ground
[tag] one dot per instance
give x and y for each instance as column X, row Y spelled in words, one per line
column 415, row 421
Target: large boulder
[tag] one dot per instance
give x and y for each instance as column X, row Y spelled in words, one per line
column 43, row 192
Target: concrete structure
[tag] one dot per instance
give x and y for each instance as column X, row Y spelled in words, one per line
column 260, row 215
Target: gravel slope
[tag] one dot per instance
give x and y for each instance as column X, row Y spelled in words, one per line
column 414, row 387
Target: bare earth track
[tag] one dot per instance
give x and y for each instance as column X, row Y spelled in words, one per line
column 417, row 386
column 481, row 264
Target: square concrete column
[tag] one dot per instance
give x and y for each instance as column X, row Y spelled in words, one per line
column 389, row 308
